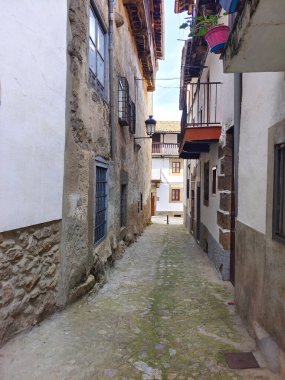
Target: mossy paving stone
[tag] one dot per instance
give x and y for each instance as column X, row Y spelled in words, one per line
column 162, row 309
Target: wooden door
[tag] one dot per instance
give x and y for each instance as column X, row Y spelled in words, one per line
column 152, row 202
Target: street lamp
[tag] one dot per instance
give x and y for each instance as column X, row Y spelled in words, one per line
column 150, row 125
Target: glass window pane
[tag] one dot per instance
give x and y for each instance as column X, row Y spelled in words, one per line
column 100, row 44
column 92, row 56
column 92, row 26
column 100, row 70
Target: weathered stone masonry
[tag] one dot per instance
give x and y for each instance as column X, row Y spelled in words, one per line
column 29, row 259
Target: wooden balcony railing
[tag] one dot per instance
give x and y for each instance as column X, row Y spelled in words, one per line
column 165, row 149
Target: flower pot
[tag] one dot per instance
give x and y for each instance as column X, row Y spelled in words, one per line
column 217, row 38
column 230, row 6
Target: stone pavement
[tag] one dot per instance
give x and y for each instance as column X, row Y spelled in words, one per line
column 163, row 314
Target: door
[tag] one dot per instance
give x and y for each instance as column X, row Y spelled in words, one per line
column 192, row 211
column 152, row 203
column 198, row 206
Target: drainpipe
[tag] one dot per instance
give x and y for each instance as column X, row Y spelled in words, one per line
column 111, row 78
column 237, row 116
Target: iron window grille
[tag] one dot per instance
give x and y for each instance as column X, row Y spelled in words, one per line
column 214, row 180
column 132, row 114
column 97, row 37
column 279, row 193
column 101, row 202
column 123, row 102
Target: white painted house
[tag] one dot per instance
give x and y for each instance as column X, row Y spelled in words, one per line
column 32, row 112
column 167, row 170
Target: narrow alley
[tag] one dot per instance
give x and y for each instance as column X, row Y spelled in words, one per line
column 162, row 314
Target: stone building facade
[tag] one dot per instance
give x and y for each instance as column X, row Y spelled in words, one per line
column 85, row 192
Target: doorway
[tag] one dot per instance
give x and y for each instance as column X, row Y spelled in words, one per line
column 198, row 207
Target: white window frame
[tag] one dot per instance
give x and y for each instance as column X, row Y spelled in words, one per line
column 99, row 83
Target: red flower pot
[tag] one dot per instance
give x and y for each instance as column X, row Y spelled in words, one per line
column 217, row 38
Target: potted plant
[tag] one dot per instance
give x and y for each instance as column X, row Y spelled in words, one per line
column 230, row 6
column 215, row 34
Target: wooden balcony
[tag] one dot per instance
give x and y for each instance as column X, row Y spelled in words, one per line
column 164, row 149
column 147, row 28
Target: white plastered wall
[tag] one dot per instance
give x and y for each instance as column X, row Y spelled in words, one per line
column 209, row 213
column 32, row 112
column 263, row 105
column 225, row 116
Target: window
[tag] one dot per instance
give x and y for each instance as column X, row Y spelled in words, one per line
column 206, row 183
column 123, row 205
column 175, row 195
column 214, row 180
column 101, row 201
column 175, row 167
column 96, row 50
column 132, row 113
column 187, row 188
column 279, row 193
column 123, row 102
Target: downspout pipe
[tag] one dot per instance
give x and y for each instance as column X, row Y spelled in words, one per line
column 237, row 118
column 111, row 79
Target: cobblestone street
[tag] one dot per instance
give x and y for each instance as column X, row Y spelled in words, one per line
column 163, row 314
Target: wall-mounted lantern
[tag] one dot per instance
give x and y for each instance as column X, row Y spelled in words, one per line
column 150, row 125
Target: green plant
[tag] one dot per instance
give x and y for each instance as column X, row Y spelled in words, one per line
column 200, row 25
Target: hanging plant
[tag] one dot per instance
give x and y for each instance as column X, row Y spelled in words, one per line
column 215, row 33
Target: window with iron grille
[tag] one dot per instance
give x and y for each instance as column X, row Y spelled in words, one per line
column 214, row 180
column 97, row 61
column 123, row 102
column 279, row 193
column 132, row 113
column 187, row 188
column 206, row 183
column 175, row 195
column 101, row 201
column 175, row 167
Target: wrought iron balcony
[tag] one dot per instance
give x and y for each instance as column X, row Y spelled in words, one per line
column 203, row 108
column 165, row 149
column 202, row 126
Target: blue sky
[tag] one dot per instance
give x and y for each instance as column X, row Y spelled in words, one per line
column 165, row 100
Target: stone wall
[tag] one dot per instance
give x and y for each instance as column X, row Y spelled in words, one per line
column 29, row 259
column 89, row 137
column 260, row 281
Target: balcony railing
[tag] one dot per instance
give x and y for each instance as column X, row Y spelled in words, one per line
column 203, row 104
column 165, row 149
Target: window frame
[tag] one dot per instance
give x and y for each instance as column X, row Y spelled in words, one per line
column 174, row 164
column 94, row 77
column 123, row 102
column 206, row 184
column 174, row 199
column 278, row 193
column 101, row 163
column 214, row 181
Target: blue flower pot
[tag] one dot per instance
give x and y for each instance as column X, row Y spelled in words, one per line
column 230, row 6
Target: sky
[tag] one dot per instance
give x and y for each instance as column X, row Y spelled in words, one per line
column 166, row 95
